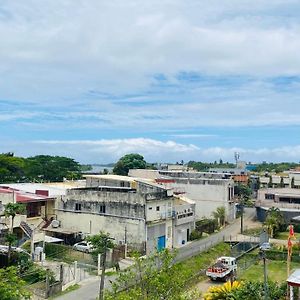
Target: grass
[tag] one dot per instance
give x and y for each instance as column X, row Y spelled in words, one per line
column 199, row 262
column 253, row 231
column 276, row 271
column 68, row 290
column 282, row 235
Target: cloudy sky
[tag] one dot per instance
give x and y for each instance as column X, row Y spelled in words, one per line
column 170, row 79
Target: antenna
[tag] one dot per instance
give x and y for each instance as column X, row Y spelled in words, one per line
column 236, row 157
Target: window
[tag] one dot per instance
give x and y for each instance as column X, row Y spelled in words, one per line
column 157, row 208
column 78, row 206
column 150, row 208
column 269, row 196
column 102, row 209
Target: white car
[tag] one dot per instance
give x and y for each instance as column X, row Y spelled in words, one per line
column 83, row 247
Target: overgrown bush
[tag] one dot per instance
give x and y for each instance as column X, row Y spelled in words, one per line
column 195, row 235
column 207, row 225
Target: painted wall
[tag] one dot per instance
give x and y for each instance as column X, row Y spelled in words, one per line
column 119, row 228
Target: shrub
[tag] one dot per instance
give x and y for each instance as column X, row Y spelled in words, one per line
column 195, row 235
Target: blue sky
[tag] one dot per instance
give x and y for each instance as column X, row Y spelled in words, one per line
column 172, row 80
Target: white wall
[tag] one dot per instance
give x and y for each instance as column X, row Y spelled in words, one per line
column 207, row 197
column 92, row 224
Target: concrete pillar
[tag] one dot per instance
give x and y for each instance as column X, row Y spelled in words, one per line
column 75, row 271
column 99, row 264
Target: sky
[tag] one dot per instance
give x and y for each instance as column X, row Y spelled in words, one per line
column 170, row 79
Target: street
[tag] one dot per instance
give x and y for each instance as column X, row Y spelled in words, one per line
column 90, row 288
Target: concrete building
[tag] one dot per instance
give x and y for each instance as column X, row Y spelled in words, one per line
column 289, row 179
column 138, row 212
column 286, row 199
column 208, row 190
column 39, row 210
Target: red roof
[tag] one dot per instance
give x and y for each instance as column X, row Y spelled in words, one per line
column 23, row 197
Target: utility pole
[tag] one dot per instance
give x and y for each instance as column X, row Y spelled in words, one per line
column 262, row 253
column 265, row 277
column 242, row 215
column 101, row 289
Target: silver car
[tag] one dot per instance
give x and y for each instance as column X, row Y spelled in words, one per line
column 83, row 247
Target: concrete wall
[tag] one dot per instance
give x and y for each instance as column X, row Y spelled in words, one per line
column 207, row 197
column 180, row 234
column 119, row 228
column 158, row 209
column 156, row 230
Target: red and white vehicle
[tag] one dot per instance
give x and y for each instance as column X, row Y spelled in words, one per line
column 224, row 269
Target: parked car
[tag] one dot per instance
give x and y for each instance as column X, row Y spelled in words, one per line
column 4, row 250
column 83, row 247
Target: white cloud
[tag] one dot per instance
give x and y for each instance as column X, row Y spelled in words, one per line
column 110, row 150
column 67, row 47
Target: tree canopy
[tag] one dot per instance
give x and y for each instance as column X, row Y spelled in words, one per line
column 37, row 168
column 129, row 161
column 11, row 286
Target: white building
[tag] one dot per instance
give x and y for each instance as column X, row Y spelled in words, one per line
column 208, row 190
column 138, row 212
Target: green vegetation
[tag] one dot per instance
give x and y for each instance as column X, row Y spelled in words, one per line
column 12, row 287
column 274, row 221
column 66, row 254
column 202, row 261
column 71, row 288
column 153, row 278
column 202, row 166
column 10, row 211
column 38, row 168
column 129, row 161
column 219, row 215
column 100, row 242
column 157, row 277
column 247, row 290
column 276, row 271
column 275, row 167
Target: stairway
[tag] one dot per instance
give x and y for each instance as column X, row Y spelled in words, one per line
column 26, row 228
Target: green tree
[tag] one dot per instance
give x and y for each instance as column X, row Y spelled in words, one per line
column 11, row 168
column 129, row 161
column 219, row 215
column 52, row 168
column 244, row 192
column 11, row 286
column 100, row 242
column 274, row 221
column 151, row 278
column 10, row 211
column 250, row 290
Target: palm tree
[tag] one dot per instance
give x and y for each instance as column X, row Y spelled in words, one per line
column 219, row 215
column 274, row 220
column 10, row 211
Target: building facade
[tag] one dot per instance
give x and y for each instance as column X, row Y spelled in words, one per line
column 136, row 212
column 208, row 190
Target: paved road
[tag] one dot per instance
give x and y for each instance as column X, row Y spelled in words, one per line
column 197, row 247
column 90, row 288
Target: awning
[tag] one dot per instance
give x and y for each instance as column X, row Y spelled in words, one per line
column 294, row 278
column 50, row 239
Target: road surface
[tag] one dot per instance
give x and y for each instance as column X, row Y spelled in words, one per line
column 90, row 288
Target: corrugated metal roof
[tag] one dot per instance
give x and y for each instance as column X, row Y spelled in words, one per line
column 23, row 197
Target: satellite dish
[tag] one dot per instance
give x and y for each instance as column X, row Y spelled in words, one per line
column 55, row 224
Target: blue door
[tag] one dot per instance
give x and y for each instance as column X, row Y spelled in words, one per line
column 161, row 243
